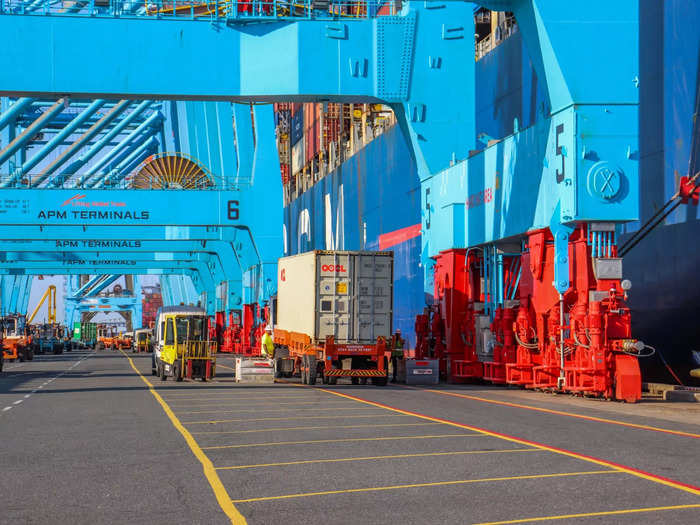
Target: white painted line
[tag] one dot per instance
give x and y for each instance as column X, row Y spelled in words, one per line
column 18, row 402
column 6, row 409
column 26, row 396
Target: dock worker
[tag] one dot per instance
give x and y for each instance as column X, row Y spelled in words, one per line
column 267, row 348
column 396, row 353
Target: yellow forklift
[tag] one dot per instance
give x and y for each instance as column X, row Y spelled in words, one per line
column 182, row 348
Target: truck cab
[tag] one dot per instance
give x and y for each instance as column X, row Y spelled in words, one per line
column 182, row 348
column 15, row 341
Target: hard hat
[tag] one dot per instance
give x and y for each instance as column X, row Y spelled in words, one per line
column 268, row 328
column 398, row 330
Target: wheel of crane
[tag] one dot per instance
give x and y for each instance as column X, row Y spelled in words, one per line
column 161, row 371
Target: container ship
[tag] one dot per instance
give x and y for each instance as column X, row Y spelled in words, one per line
column 350, row 182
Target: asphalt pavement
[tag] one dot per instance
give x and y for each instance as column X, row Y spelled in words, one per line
column 94, row 438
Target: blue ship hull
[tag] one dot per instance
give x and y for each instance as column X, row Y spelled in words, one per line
column 373, row 200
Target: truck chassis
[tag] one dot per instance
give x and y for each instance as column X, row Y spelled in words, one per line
column 299, row 355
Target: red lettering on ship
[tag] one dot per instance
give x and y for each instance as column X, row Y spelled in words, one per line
column 338, row 268
column 482, row 197
column 283, row 275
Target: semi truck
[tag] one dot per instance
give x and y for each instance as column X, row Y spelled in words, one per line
column 183, row 348
column 333, row 316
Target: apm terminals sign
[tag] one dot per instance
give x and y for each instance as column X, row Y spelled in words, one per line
column 119, row 207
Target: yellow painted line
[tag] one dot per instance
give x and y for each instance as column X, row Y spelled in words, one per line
column 319, row 403
column 217, row 421
column 216, row 402
column 326, row 427
column 593, row 514
column 209, row 471
column 345, row 440
column 373, row 458
column 623, row 468
column 433, row 484
column 216, row 396
column 327, row 409
column 241, row 392
column 562, row 413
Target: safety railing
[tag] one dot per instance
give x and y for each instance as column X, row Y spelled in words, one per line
column 243, row 10
column 112, row 181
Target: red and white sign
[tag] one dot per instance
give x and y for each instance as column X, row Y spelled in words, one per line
column 337, row 268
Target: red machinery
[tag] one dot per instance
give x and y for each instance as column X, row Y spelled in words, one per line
column 494, row 321
column 151, row 302
column 245, row 330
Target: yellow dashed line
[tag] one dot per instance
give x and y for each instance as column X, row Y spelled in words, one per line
column 314, row 441
column 372, row 458
column 562, row 413
column 622, row 468
column 326, row 427
column 421, row 485
column 217, row 421
column 209, row 471
column 593, row 514
column 325, row 407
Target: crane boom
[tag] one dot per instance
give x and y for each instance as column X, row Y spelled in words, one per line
column 50, row 297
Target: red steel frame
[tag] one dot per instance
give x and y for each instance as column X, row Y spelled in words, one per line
column 529, row 334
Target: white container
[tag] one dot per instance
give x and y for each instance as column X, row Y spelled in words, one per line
column 348, row 295
column 254, row 370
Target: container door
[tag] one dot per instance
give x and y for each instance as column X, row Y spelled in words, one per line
column 374, row 296
column 334, row 296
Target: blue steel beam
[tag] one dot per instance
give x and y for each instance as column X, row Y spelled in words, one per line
column 62, row 135
column 84, row 140
column 122, row 169
column 109, row 279
column 218, row 268
column 14, row 110
column 108, row 137
column 64, row 207
column 422, row 63
column 29, row 133
column 92, row 281
column 150, row 122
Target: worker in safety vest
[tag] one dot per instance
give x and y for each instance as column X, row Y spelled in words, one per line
column 267, row 348
column 396, row 353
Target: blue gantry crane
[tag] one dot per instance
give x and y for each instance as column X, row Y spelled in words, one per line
column 550, row 195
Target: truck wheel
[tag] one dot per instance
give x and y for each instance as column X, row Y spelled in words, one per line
column 379, row 381
column 163, row 377
column 304, row 369
column 30, row 354
column 355, row 380
column 313, row 370
column 177, row 372
column 20, row 353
